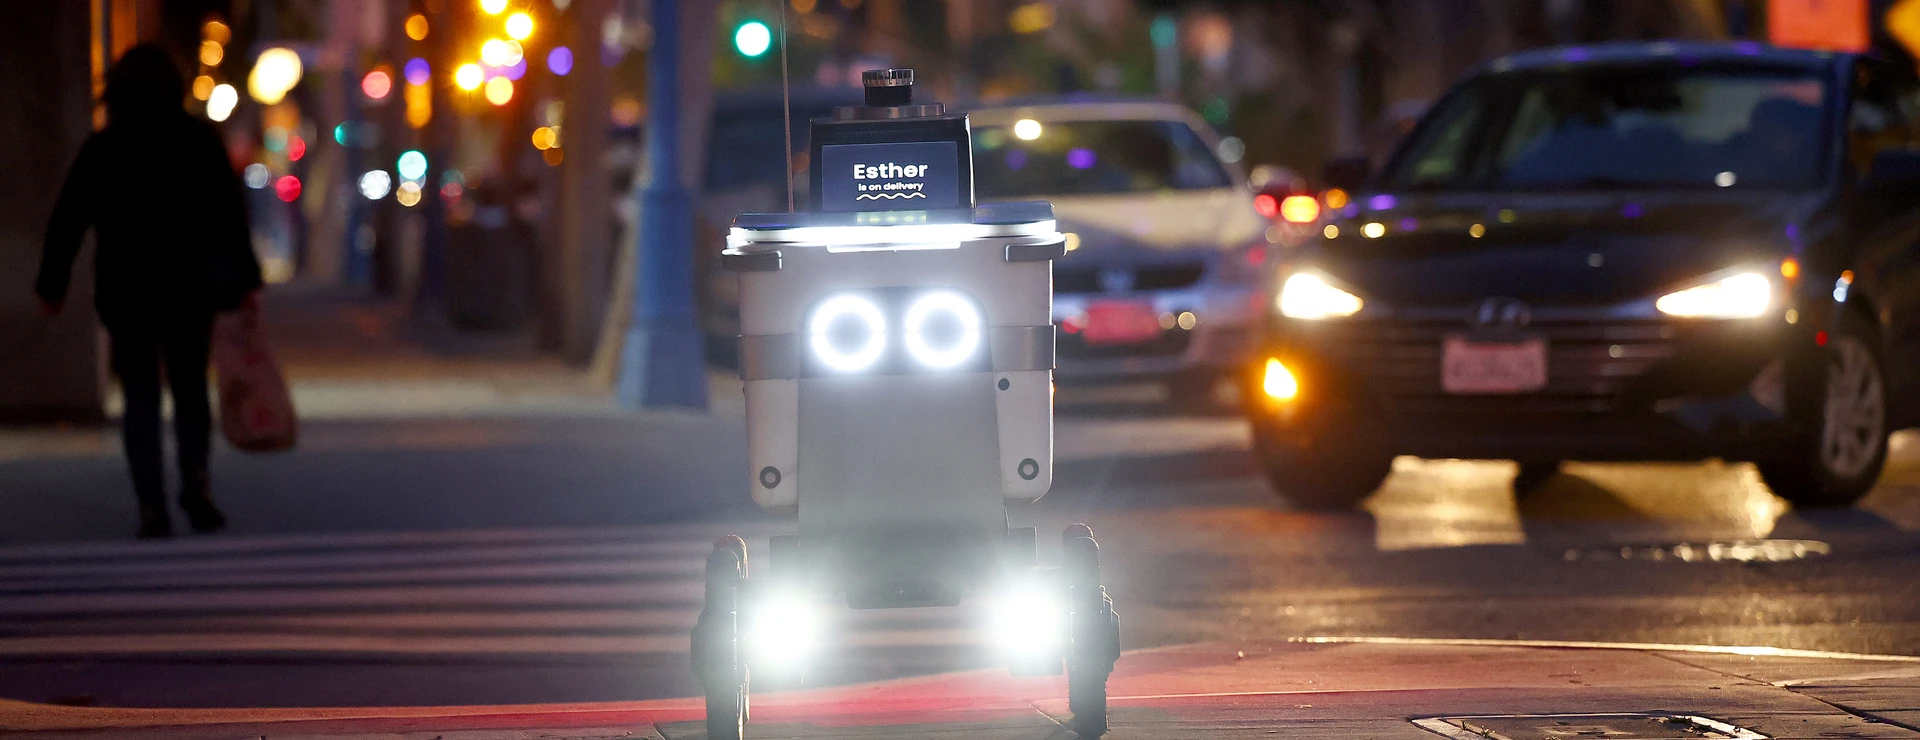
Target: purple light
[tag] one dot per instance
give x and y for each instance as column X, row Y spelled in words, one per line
column 1381, row 203
column 1576, row 54
column 1080, row 159
column 517, row 71
column 1632, row 210
column 1409, row 224
column 417, row 71
column 1016, row 159
column 560, row 60
column 1747, row 48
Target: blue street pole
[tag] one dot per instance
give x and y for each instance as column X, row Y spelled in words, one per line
column 663, row 364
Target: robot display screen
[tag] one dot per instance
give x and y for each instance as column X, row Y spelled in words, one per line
column 892, row 176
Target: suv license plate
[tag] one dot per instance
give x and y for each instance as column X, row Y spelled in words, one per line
column 1468, row 366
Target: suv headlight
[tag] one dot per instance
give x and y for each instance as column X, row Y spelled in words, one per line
column 1309, row 296
column 1739, row 296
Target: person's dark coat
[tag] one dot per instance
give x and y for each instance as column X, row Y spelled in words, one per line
column 166, row 206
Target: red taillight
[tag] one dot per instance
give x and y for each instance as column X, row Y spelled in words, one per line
column 1267, row 205
column 1300, row 209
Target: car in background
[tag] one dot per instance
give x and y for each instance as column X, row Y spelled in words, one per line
column 1166, row 254
column 1283, row 197
column 745, row 173
column 1648, row 251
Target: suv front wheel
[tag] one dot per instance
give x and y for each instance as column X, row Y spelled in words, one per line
column 1320, row 478
column 1838, row 459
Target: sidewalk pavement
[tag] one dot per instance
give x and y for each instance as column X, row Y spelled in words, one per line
column 1336, row 688
column 347, row 357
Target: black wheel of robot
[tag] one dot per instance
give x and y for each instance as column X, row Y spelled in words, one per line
column 716, row 641
column 1094, row 633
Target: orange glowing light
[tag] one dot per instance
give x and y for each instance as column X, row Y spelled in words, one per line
column 1790, row 268
column 1300, row 209
column 1278, row 382
column 519, row 26
column 499, row 90
column 419, row 105
column 469, row 77
column 1336, row 198
column 417, row 27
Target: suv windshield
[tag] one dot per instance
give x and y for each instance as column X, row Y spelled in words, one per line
column 1091, row 157
column 1622, row 127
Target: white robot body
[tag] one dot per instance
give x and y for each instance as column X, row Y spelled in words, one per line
column 899, row 443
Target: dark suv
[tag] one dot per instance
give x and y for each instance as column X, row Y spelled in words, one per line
column 1621, row 252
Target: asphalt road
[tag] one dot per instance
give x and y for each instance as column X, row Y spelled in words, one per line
column 542, row 558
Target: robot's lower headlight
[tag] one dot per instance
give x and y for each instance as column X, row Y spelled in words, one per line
column 942, row 329
column 783, row 631
column 848, row 333
column 1029, row 622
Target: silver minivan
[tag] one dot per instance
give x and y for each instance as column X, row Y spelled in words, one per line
column 1166, row 251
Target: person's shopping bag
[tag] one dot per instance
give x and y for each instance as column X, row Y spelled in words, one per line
column 256, row 412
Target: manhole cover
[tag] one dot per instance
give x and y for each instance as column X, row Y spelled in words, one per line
column 1623, row 726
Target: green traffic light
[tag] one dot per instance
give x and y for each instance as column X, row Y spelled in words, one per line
column 412, row 165
column 1164, row 31
column 752, row 38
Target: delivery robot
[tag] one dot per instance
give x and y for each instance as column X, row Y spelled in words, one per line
column 897, row 349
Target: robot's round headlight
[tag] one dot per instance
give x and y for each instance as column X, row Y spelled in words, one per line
column 943, row 329
column 853, row 318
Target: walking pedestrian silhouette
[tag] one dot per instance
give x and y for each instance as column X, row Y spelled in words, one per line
column 171, row 250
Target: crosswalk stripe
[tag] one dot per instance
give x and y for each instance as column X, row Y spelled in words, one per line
column 247, row 642
column 687, row 535
column 585, row 591
column 668, row 593
column 416, row 644
column 453, row 621
column 326, row 560
column 565, row 570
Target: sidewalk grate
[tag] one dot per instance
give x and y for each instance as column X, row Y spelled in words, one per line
column 1732, row 551
column 1616, row 726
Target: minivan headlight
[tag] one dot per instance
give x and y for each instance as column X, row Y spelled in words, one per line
column 1740, row 296
column 1309, row 296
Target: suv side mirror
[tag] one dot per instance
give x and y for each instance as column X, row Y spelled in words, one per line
column 1895, row 168
column 1347, row 173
